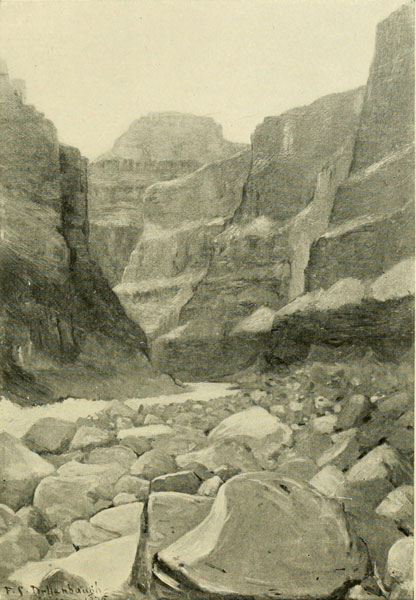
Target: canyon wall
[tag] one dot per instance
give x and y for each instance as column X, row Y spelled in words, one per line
column 329, row 197
column 63, row 331
column 157, row 147
column 182, row 218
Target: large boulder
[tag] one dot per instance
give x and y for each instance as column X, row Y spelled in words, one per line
column 120, row 520
column 266, row 535
column 104, row 567
column 184, row 439
column 19, row 545
column 49, row 435
column 130, row 484
column 20, row 471
column 255, row 427
column 8, row 519
column 78, row 491
column 149, row 432
column 182, row 481
column 167, row 516
column 116, row 454
column 398, row 505
column 153, row 464
column 32, row 517
column 84, row 534
column 399, row 573
column 360, row 500
column 91, row 437
column 223, row 452
column 383, row 462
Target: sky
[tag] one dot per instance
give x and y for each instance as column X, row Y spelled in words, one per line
column 93, row 66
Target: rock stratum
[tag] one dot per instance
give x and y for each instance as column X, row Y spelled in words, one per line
column 157, row 147
column 63, row 330
column 326, row 210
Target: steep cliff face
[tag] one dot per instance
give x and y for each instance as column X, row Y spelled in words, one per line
column 329, row 197
column 158, row 147
column 370, row 235
column 298, row 161
column 63, row 331
column 371, row 225
column 181, row 220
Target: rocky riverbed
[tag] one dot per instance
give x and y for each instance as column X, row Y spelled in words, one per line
column 292, row 484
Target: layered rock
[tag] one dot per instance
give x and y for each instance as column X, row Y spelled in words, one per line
column 181, row 220
column 328, row 205
column 298, row 160
column 157, row 147
column 370, row 235
column 63, row 331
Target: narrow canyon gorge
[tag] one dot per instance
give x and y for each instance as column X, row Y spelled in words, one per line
column 206, row 351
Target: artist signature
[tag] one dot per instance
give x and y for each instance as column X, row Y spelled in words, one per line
column 53, row 592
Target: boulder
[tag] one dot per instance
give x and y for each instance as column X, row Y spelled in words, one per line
column 328, row 481
column 33, row 517
column 254, row 427
column 360, row 500
column 20, row 471
column 123, row 498
column 185, row 439
column 325, row 424
column 400, row 567
column 343, row 452
column 121, row 455
column 77, row 492
column 153, row 464
column 182, row 481
column 354, row 411
column 222, row 452
column 19, row 545
column 106, row 566
column 383, row 462
column 49, row 435
column 130, row 484
column 167, row 516
column 8, row 519
column 152, row 420
column 225, row 472
column 210, row 487
column 57, row 460
column 91, row 437
column 282, row 548
column 63, row 582
column 148, row 432
column 395, row 404
column 398, row 505
column 299, row 468
column 118, row 409
column 137, row 444
column 120, row 520
column 84, row 534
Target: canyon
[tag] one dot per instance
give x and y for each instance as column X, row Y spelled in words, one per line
column 277, row 281
column 321, row 205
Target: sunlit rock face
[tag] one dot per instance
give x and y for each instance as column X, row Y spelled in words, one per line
column 370, row 235
column 259, row 260
column 157, row 147
column 63, row 331
column 371, row 225
column 329, row 198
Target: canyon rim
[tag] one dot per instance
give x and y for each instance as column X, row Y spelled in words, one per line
column 206, row 341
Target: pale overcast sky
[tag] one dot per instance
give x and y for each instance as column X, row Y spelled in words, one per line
column 93, row 66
